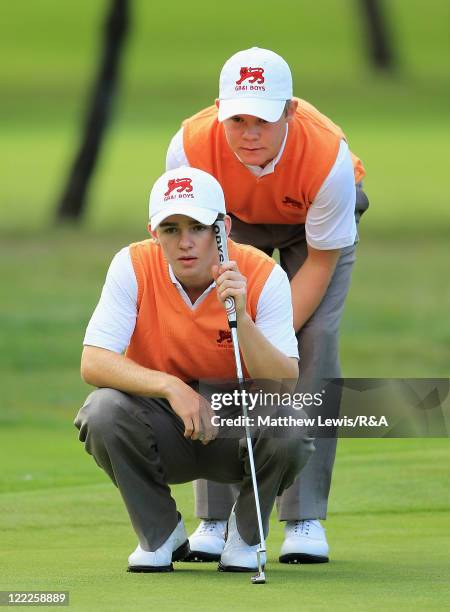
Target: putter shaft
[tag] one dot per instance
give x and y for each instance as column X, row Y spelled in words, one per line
column 221, row 239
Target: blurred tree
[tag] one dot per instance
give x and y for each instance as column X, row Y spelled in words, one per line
column 73, row 201
column 378, row 34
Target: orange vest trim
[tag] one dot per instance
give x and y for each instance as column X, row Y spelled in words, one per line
column 192, row 344
column 284, row 196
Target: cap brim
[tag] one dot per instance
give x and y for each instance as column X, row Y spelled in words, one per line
column 269, row 110
column 203, row 215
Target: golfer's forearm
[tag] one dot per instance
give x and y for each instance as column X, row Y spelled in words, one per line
column 310, row 284
column 261, row 358
column 103, row 368
column 307, row 293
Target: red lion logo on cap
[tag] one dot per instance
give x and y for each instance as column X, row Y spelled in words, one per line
column 255, row 74
column 180, row 184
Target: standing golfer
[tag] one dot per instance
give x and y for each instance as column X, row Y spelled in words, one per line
column 160, row 326
column 291, row 183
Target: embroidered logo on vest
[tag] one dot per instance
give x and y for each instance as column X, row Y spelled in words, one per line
column 180, row 185
column 292, row 202
column 224, row 338
column 254, row 75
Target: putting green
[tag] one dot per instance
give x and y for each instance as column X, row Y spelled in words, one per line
column 64, row 527
column 62, row 523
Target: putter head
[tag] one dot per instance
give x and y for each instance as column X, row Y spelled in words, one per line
column 260, row 578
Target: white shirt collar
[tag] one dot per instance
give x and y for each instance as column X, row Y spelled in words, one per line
column 184, row 295
column 270, row 167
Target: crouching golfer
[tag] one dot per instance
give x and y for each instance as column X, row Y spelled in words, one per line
column 146, row 426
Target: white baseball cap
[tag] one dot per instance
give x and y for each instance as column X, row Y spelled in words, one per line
column 254, row 82
column 186, row 191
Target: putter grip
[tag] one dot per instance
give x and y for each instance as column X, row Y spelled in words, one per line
column 222, row 247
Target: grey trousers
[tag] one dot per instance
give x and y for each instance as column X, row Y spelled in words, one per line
column 139, row 443
column 318, row 342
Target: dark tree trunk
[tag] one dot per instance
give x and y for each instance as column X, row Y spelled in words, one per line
column 73, row 201
column 379, row 43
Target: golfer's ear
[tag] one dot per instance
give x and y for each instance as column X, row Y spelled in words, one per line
column 227, row 221
column 217, row 102
column 292, row 109
column 152, row 232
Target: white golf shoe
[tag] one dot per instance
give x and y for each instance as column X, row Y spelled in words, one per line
column 305, row 542
column 175, row 548
column 207, row 541
column 238, row 556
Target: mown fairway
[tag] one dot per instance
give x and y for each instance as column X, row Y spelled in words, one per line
column 62, row 523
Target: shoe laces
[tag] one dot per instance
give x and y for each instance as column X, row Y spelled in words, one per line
column 210, row 527
column 302, row 527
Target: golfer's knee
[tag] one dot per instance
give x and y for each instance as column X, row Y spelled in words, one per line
column 100, row 414
column 294, row 452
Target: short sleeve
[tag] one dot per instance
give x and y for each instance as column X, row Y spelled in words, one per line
column 176, row 157
column 274, row 317
column 330, row 222
column 113, row 321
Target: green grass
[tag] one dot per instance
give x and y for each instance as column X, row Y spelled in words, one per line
column 63, row 525
column 395, row 320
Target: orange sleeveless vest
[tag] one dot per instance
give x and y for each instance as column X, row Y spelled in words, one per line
column 192, row 344
column 284, row 196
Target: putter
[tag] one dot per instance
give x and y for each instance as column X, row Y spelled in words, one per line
column 221, row 240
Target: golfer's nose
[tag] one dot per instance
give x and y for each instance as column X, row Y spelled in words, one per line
column 251, row 132
column 185, row 239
